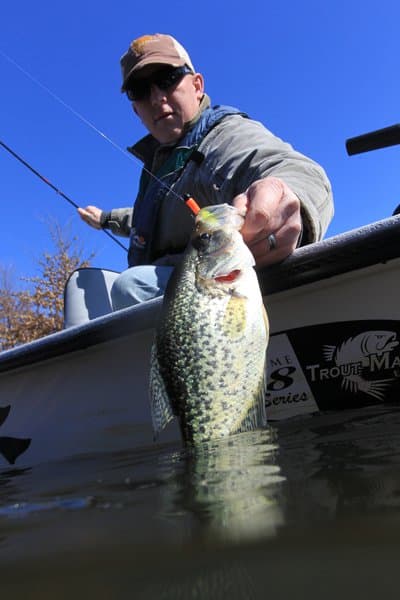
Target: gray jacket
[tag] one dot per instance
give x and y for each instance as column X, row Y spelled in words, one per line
column 237, row 152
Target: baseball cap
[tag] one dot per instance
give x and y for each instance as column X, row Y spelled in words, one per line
column 157, row 48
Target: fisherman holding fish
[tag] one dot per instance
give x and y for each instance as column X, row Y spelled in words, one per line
column 217, row 154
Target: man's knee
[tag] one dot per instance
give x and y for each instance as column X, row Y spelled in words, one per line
column 139, row 284
column 122, row 291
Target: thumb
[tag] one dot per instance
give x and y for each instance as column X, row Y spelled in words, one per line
column 241, row 202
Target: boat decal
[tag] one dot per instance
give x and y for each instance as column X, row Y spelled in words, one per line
column 336, row 365
column 11, row 447
column 288, row 391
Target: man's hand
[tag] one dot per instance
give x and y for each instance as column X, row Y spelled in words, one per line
column 272, row 208
column 91, row 215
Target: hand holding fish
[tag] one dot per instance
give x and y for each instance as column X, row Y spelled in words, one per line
column 272, row 208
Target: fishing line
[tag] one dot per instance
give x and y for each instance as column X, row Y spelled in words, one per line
column 87, row 122
column 187, row 199
column 61, row 101
column 53, row 187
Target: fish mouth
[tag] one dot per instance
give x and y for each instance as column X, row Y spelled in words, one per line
column 388, row 344
column 228, row 277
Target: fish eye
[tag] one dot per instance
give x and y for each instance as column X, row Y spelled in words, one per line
column 202, row 241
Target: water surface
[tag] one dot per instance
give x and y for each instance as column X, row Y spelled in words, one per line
column 308, row 508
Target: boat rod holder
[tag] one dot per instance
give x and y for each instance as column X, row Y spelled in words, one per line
column 381, row 138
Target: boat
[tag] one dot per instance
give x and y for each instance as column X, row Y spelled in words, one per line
column 334, row 345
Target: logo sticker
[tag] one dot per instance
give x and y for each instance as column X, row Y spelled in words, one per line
column 138, row 46
column 333, row 366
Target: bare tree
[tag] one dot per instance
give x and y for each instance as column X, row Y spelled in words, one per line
column 36, row 311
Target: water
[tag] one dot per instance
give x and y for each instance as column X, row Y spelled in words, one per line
column 309, row 509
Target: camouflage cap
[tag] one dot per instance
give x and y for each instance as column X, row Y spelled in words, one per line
column 157, row 48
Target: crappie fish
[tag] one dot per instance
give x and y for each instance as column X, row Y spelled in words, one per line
column 208, row 358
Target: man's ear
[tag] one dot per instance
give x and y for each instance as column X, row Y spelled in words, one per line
column 198, row 82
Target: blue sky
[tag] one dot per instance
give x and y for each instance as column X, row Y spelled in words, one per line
column 315, row 73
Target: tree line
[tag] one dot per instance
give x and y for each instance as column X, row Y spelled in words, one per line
column 36, row 308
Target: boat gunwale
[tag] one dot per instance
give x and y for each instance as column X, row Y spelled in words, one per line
column 356, row 249
column 97, row 331
column 359, row 248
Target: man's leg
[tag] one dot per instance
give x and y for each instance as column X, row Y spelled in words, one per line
column 139, row 284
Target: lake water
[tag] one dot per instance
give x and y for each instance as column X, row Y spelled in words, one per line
column 306, row 509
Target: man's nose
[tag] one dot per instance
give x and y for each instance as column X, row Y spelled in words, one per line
column 157, row 94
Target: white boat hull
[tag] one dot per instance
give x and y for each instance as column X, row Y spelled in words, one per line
column 84, row 390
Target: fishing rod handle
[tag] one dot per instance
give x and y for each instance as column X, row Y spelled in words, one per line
column 381, row 138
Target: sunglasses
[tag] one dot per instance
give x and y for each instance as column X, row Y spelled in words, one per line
column 164, row 79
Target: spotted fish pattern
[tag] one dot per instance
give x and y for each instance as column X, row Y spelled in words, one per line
column 208, row 358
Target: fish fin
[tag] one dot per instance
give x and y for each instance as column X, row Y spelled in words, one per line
column 376, row 389
column 256, row 416
column 160, row 405
column 328, row 351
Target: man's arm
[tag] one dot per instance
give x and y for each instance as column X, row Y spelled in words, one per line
column 285, row 192
column 118, row 220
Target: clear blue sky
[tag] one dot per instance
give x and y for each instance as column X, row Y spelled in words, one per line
column 313, row 72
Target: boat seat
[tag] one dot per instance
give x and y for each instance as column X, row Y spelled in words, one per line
column 87, row 295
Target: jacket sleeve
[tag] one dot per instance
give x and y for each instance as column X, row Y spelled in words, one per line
column 118, row 220
column 239, row 151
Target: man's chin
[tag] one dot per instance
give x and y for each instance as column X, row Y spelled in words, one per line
column 167, row 135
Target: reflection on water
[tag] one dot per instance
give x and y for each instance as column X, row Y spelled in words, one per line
column 348, row 467
column 307, row 508
column 230, row 486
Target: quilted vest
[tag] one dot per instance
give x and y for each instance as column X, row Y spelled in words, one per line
column 153, row 190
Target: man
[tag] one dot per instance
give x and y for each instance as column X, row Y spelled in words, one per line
column 214, row 154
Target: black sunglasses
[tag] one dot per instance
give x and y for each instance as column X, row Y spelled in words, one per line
column 139, row 89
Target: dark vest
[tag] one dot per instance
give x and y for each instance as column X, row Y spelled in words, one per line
column 153, row 190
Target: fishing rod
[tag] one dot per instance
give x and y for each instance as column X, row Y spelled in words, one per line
column 86, row 122
column 374, row 140
column 53, row 187
column 187, row 199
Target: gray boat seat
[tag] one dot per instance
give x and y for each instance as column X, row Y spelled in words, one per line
column 87, row 295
